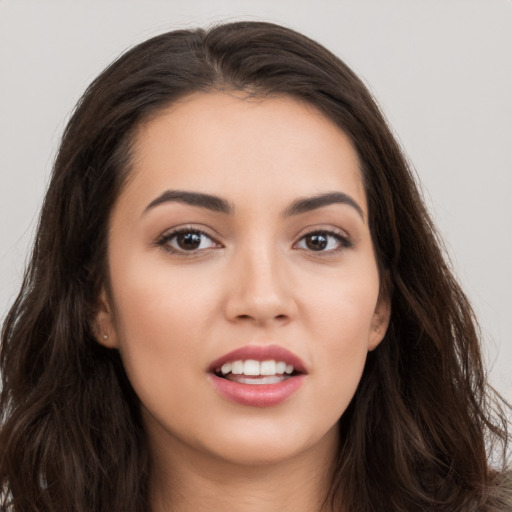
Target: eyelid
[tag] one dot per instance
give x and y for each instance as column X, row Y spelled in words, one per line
column 343, row 237
column 168, row 234
column 324, row 228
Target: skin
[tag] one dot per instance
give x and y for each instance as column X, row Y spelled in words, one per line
column 254, row 280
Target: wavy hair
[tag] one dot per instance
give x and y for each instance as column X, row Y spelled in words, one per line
column 420, row 430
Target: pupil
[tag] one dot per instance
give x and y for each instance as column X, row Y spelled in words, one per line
column 189, row 241
column 316, row 242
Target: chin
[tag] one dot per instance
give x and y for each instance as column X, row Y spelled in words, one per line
column 263, row 445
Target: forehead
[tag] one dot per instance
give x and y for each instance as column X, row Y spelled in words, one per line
column 229, row 143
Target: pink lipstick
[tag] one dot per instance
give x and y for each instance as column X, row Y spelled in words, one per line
column 258, row 376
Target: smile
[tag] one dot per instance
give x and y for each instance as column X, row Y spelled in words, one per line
column 258, row 376
column 256, row 372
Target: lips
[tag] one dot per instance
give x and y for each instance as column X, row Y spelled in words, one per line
column 258, row 376
column 260, row 353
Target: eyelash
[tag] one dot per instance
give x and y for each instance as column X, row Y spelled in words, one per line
column 163, row 242
column 341, row 238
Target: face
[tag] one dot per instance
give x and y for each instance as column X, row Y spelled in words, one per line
column 244, row 291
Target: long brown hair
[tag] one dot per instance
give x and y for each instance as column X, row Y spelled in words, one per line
column 421, row 427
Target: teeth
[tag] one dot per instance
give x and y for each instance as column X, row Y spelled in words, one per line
column 268, row 368
column 237, row 367
column 269, row 379
column 253, row 368
column 226, row 368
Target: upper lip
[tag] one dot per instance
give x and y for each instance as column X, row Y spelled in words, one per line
column 260, row 353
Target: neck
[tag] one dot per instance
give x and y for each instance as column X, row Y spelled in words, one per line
column 189, row 481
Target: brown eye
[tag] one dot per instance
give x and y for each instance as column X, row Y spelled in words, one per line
column 186, row 240
column 316, row 242
column 324, row 241
column 189, row 241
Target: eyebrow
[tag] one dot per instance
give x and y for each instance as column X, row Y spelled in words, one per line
column 220, row 205
column 307, row 204
column 207, row 201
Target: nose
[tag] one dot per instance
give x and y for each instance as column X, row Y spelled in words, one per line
column 260, row 290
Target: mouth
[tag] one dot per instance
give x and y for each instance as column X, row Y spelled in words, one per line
column 259, row 376
column 255, row 372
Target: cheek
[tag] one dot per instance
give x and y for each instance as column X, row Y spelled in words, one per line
column 341, row 307
column 162, row 319
column 157, row 298
column 340, row 320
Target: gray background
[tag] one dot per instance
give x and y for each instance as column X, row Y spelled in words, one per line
column 440, row 69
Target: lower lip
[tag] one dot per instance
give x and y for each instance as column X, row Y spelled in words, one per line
column 257, row 395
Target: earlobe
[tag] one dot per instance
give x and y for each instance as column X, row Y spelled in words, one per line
column 380, row 323
column 104, row 327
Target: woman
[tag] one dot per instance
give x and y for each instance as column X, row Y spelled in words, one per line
column 237, row 300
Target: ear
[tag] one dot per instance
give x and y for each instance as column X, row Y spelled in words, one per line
column 380, row 322
column 104, row 325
